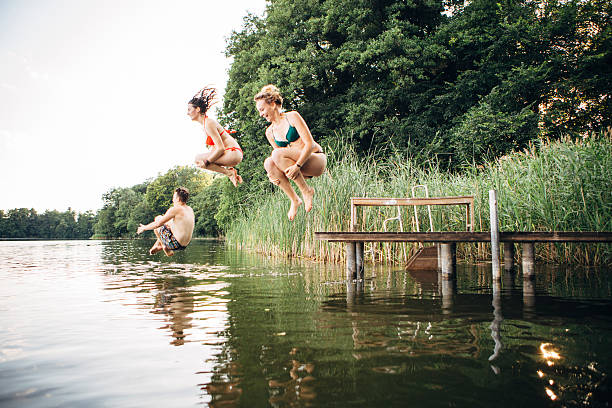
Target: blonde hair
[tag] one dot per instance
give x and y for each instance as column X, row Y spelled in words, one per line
column 270, row 94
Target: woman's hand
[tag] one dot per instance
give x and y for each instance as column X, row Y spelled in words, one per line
column 292, row 172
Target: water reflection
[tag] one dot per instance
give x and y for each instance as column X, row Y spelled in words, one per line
column 496, row 325
column 225, row 328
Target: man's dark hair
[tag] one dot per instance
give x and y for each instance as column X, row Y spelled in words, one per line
column 183, row 194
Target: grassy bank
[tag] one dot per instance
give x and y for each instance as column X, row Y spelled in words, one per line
column 560, row 185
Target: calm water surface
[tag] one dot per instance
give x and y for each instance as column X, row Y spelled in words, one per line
column 102, row 324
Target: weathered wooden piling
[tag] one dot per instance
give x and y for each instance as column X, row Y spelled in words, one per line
column 494, row 235
column 508, row 256
column 359, row 260
column 448, row 260
column 351, row 269
column 448, row 288
column 528, row 260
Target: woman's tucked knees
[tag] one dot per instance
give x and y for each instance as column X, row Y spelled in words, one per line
column 272, row 170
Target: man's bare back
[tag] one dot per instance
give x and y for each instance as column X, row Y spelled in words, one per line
column 175, row 228
column 183, row 223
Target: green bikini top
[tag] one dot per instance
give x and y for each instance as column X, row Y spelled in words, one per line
column 292, row 135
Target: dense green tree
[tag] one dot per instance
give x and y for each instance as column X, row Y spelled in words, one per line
column 430, row 78
column 159, row 192
column 85, row 225
column 206, row 206
column 27, row 223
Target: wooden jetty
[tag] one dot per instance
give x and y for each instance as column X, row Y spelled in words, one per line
column 447, row 241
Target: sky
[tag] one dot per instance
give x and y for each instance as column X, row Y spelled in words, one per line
column 93, row 94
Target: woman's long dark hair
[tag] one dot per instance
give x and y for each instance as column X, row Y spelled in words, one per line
column 204, row 99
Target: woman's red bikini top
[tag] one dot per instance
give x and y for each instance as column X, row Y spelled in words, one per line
column 209, row 141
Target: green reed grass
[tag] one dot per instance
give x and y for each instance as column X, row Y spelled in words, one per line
column 552, row 186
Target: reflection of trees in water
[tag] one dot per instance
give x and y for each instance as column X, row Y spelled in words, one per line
column 395, row 324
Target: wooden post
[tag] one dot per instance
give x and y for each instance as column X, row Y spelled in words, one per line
column 350, row 261
column 448, row 259
column 528, row 297
column 448, row 290
column 359, row 260
column 494, row 236
column 508, row 256
column 528, row 260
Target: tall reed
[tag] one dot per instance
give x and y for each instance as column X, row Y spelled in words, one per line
column 552, row 186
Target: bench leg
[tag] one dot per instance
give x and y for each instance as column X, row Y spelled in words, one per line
column 528, row 260
column 350, row 261
column 448, row 259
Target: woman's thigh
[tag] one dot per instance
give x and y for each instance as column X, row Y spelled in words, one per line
column 315, row 165
column 229, row 158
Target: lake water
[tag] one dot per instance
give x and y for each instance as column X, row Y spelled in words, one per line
column 103, row 324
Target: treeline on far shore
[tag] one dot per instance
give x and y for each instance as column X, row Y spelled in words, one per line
column 124, row 208
column 52, row 224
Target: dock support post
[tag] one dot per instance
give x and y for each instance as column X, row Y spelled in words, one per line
column 508, row 256
column 359, row 260
column 528, row 260
column 448, row 288
column 350, row 261
column 448, row 259
column 494, row 236
column 528, row 297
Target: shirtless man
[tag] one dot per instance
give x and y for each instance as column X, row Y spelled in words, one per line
column 175, row 227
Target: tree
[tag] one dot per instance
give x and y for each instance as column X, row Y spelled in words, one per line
column 159, row 191
column 206, row 206
column 402, row 75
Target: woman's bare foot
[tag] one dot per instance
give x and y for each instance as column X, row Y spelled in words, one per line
column 294, row 208
column 308, row 194
column 234, row 177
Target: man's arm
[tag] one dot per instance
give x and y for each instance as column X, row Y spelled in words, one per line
column 170, row 214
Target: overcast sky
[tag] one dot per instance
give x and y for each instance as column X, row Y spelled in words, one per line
column 93, row 94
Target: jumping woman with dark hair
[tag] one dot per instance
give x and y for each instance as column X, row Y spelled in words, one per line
column 226, row 152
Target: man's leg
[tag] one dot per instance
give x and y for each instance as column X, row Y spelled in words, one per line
column 157, row 246
column 167, row 251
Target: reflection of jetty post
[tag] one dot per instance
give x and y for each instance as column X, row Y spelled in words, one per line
column 496, row 323
column 448, row 288
column 528, row 296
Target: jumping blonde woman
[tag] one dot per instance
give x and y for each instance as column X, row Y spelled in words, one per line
column 226, row 152
column 295, row 155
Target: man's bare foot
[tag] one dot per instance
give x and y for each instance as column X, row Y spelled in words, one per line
column 154, row 249
column 168, row 252
column 293, row 210
column 308, row 195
